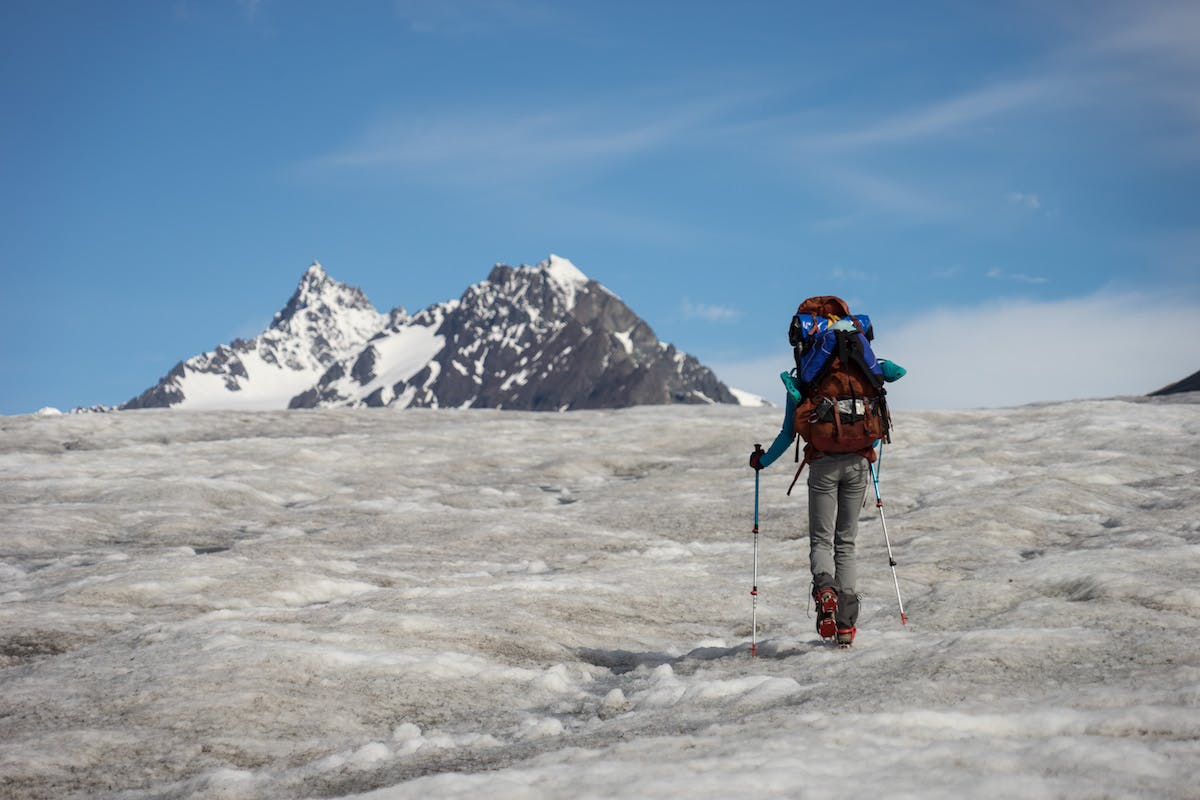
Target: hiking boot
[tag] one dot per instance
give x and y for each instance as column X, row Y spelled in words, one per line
column 845, row 637
column 827, row 603
column 847, row 610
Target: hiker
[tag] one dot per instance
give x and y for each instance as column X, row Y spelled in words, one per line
column 835, row 402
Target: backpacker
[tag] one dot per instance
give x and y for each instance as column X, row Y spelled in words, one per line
column 844, row 407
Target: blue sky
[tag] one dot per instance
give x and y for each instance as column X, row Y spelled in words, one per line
column 1009, row 189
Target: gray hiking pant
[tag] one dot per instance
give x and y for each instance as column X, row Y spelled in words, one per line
column 836, row 485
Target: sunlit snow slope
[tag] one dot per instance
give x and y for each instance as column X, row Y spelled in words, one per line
column 448, row 604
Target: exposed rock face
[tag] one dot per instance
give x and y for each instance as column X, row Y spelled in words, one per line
column 531, row 338
column 1189, row 384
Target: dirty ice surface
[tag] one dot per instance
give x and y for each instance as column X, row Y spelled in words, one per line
column 458, row 604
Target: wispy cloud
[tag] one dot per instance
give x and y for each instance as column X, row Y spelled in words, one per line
column 1018, row 277
column 474, row 17
column 845, row 274
column 1143, row 49
column 710, row 313
column 1137, row 59
column 251, row 8
column 1161, row 31
column 884, row 193
column 854, row 162
column 1119, row 61
column 498, row 144
column 947, row 273
column 937, row 118
column 1026, row 200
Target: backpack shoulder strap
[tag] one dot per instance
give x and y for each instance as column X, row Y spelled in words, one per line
column 850, row 351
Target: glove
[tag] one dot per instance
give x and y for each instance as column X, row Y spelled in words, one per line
column 790, row 384
column 756, row 458
column 891, row 371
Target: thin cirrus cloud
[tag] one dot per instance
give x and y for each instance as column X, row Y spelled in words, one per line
column 884, row 193
column 1118, row 51
column 1017, row 277
column 1025, row 200
column 1109, row 64
column 474, row 17
column 480, row 147
column 832, row 156
column 845, row 274
column 707, row 312
column 1139, row 60
column 938, row 118
column 1164, row 32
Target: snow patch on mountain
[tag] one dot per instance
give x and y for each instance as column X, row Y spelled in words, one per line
column 565, row 275
column 745, row 398
column 255, row 381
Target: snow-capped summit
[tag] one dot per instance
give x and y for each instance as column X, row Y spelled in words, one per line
column 545, row 337
column 537, row 338
column 324, row 318
column 322, row 322
column 313, row 283
column 565, row 274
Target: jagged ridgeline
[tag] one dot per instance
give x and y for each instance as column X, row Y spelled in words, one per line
column 527, row 338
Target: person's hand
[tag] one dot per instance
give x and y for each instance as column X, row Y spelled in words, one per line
column 756, row 457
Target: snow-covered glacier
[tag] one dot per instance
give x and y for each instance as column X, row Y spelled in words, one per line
column 444, row 603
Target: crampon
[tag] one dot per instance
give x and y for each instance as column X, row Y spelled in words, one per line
column 827, row 602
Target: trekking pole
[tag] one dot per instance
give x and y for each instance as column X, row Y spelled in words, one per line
column 754, row 584
column 886, row 540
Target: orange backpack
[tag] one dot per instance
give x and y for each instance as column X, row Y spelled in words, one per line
column 844, row 406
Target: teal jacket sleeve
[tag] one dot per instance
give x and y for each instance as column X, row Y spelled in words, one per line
column 786, row 435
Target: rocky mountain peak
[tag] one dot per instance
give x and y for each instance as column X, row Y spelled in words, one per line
column 321, row 297
column 539, row 294
column 544, row 337
column 1189, row 384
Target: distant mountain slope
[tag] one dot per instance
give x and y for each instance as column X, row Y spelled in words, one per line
column 323, row 322
column 530, row 338
column 1189, row 384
